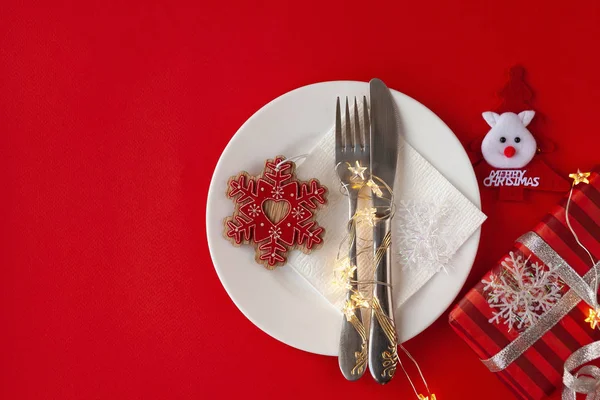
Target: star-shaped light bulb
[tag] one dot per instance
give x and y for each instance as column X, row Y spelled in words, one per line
column 374, row 188
column 593, row 318
column 349, row 309
column 344, row 267
column 422, row 397
column 358, row 171
column 580, row 177
column 359, row 300
column 342, row 273
column 368, row 215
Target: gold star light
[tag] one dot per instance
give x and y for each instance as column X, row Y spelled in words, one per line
column 344, row 268
column 421, row 397
column 368, row 215
column 580, row 177
column 359, row 300
column 374, row 188
column 593, row 318
column 342, row 273
column 358, row 171
column 348, row 310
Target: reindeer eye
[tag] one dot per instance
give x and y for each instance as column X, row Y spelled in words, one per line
column 517, row 139
column 502, row 139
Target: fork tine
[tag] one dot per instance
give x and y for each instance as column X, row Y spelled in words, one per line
column 338, row 125
column 357, row 135
column 366, row 123
column 349, row 137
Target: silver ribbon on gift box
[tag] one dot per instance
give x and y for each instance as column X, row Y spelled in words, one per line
column 587, row 379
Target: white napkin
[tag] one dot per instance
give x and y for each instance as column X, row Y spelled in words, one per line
column 433, row 219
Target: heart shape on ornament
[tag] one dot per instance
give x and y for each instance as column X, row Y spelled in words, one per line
column 276, row 210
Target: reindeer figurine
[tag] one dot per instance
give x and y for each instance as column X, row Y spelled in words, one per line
column 509, row 149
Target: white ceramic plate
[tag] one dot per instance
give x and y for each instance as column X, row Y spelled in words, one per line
column 280, row 302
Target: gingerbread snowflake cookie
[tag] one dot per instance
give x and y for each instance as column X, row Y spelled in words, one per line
column 275, row 212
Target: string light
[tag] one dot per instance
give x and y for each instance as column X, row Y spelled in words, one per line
column 374, row 188
column 344, row 270
column 580, row 177
column 359, row 301
column 342, row 273
column 593, row 318
column 356, row 301
column 358, row 171
column 368, row 215
column 348, row 309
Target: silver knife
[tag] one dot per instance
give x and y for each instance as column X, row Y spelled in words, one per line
column 383, row 339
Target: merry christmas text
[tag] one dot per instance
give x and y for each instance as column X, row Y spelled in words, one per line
column 510, row 177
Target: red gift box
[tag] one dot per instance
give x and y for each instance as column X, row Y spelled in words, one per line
column 538, row 371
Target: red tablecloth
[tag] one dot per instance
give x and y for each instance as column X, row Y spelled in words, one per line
column 112, row 118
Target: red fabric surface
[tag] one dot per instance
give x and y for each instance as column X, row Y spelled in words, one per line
column 112, row 118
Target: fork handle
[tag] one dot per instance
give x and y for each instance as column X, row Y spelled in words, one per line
column 353, row 341
column 383, row 340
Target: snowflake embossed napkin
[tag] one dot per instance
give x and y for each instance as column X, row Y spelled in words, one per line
column 432, row 220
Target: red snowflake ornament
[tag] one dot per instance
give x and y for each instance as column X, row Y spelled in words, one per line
column 275, row 212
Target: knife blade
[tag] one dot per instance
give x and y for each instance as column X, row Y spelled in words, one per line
column 383, row 339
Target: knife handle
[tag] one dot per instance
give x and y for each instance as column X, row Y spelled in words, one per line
column 383, row 339
column 353, row 338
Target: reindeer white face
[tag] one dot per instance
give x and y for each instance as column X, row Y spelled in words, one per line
column 509, row 144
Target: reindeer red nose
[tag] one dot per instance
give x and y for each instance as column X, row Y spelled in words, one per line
column 509, row 151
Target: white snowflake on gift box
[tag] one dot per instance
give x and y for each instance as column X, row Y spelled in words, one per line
column 522, row 291
column 425, row 240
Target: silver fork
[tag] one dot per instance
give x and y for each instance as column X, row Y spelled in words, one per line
column 352, row 149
